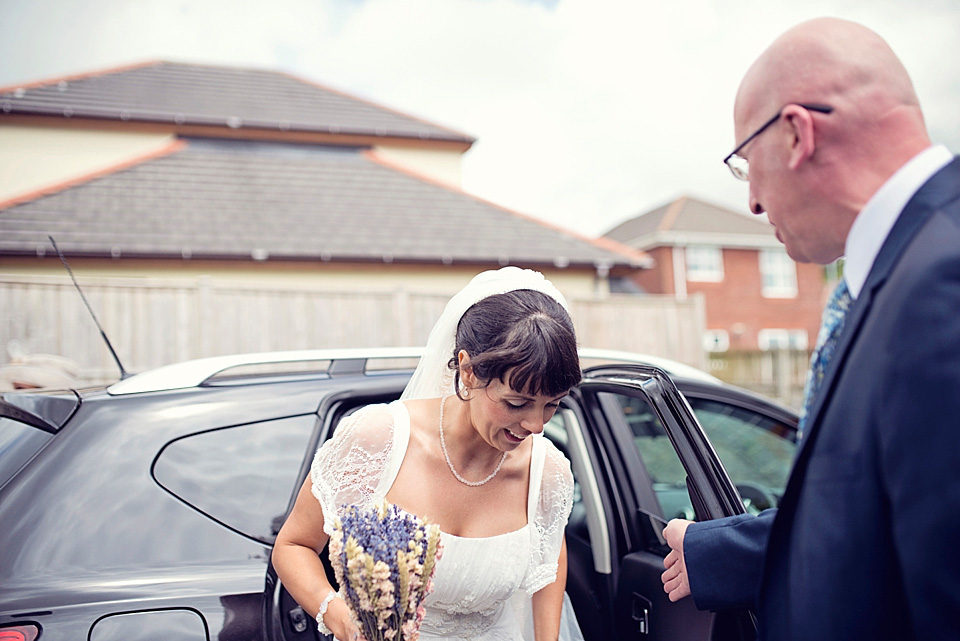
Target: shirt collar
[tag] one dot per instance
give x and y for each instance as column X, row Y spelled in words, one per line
column 876, row 219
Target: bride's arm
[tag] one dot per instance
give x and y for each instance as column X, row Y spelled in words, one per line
column 297, row 562
column 548, row 602
column 345, row 470
column 553, row 511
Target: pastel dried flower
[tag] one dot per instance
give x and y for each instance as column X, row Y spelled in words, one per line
column 384, row 560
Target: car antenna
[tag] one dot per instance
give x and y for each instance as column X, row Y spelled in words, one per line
column 123, row 373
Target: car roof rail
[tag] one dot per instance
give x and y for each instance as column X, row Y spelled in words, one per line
column 195, row 373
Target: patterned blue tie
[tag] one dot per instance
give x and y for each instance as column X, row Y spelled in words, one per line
column 830, row 327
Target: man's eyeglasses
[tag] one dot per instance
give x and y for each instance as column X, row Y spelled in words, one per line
column 738, row 165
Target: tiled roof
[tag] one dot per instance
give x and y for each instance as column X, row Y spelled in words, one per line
column 194, row 94
column 690, row 217
column 243, row 200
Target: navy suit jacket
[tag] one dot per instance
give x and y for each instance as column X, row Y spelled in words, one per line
column 866, row 541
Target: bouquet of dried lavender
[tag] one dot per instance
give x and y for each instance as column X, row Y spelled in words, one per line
column 384, row 560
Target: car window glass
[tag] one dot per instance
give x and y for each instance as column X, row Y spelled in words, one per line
column 243, row 476
column 18, row 444
column 756, row 450
column 659, row 457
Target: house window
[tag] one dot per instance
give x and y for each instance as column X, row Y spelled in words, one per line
column 704, row 263
column 770, row 339
column 779, row 274
column 716, row 340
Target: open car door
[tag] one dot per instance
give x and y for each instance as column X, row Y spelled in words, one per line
column 639, row 458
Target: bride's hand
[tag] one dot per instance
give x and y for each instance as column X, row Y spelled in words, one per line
column 340, row 621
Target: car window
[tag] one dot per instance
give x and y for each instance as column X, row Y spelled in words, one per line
column 659, row 457
column 18, row 444
column 755, row 450
column 242, row 476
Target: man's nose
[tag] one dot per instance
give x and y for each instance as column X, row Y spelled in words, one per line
column 755, row 206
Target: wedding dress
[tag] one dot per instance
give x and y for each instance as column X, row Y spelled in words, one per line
column 481, row 585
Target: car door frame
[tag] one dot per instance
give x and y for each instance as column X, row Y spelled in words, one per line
column 641, row 609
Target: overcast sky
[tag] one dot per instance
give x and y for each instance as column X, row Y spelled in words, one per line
column 586, row 112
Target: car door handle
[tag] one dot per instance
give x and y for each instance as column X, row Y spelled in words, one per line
column 298, row 619
column 640, row 613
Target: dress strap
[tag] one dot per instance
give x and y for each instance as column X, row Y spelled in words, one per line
column 398, row 449
column 537, row 456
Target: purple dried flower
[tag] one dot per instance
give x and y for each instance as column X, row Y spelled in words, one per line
column 384, row 559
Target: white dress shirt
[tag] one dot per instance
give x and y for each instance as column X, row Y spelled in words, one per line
column 878, row 216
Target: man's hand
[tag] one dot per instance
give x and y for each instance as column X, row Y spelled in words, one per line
column 676, row 583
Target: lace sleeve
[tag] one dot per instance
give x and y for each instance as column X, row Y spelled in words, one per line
column 348, row 469
column 553, row 511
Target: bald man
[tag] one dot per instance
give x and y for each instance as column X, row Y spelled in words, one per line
column 864, row 544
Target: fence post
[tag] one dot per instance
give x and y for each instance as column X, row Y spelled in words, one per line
column 401, row 312
column 204, row 317
column 784, row 373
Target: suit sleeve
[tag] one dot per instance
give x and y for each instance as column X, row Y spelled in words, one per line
column 724, row 559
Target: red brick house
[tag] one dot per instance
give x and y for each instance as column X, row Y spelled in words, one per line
column 756, row 296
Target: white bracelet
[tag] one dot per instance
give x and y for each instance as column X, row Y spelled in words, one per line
column 321, row 626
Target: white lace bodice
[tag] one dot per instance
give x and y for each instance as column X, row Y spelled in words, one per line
column 480, row 584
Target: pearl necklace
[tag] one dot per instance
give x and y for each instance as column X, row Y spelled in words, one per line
column 443, row 446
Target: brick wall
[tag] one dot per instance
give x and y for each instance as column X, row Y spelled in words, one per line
column 737, row 304
column 658, row 280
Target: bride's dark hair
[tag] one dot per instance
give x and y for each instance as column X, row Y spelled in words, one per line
column 525, row 335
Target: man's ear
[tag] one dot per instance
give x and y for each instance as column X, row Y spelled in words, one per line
column 802, row 141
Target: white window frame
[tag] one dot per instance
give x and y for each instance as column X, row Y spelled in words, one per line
column 778, row 274
column 776, row 338
column 704, row 263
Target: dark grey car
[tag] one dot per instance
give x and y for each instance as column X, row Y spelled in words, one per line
column 147, row 509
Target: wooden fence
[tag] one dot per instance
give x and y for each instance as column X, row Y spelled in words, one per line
column 779, row 374
column 153, row 322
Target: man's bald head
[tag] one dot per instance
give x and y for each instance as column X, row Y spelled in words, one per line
column 812, row 171
column 828, row 61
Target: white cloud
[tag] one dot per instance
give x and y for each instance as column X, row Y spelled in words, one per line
column 586, row 111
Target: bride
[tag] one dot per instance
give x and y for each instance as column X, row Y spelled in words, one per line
column 464, row 449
